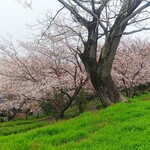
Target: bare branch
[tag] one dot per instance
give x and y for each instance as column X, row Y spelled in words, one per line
column 75, row 13
column 136, row 12
column 134, row 31
column 48, row 27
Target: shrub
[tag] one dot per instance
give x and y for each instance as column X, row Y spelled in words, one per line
column 98, row 106
column 47, row 108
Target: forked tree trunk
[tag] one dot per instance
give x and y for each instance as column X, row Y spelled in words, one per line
column 61, row 110
column 100, row 71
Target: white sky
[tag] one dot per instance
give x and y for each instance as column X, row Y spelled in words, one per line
column 14, row 17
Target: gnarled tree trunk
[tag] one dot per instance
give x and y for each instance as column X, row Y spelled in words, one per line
column 100, row 71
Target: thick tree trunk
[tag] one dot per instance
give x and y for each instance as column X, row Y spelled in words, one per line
column 107, row 91
column 100, row 71
column 104, row 85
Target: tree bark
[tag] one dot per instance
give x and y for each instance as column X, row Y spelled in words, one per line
column 108, row 92
column 100, row 71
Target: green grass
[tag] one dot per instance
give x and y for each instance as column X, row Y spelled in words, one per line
column 123, row 126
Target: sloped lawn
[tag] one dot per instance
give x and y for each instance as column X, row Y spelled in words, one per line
column 123, row 126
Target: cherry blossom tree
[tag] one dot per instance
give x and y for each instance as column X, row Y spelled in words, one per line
column 42, row 75
column 131, row 66
column 11, row 108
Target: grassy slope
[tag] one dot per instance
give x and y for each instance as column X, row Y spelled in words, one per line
column 124, row 126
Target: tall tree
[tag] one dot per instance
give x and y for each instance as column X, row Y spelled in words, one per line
column 106, row 19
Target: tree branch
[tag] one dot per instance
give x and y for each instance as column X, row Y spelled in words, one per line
column 134, row 31
column 136, row 12
column 75, row 13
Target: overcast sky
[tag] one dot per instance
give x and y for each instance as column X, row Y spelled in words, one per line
column 14, row 17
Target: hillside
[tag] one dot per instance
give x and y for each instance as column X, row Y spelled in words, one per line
column 123, row 126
